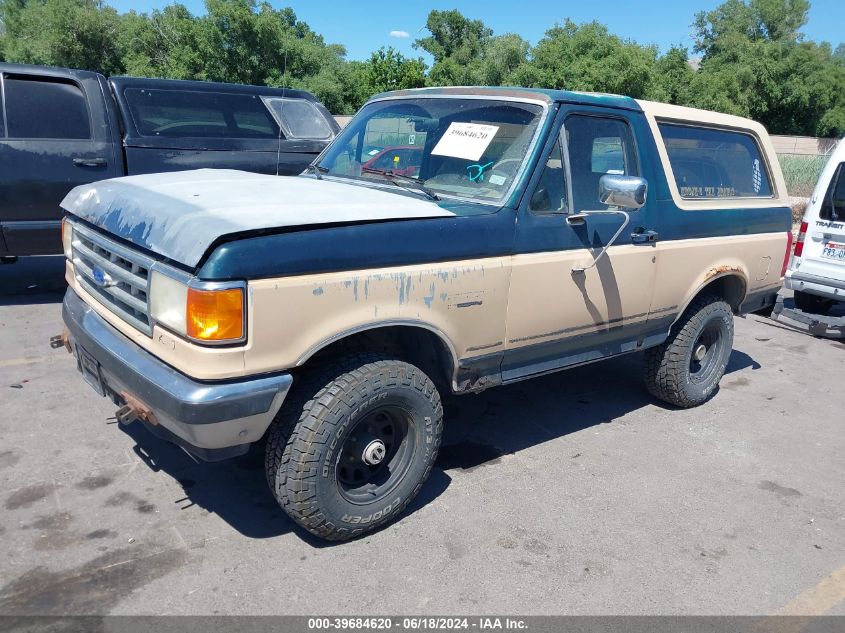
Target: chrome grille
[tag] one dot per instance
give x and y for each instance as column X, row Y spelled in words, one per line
column 125, row 271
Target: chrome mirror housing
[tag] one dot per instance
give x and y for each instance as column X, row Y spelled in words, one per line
column 624, row 192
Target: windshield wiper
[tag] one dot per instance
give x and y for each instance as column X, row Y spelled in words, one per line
column 393, row 177
column 318, row 170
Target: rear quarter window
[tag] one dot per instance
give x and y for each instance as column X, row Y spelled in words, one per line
column 711, row 163
column 198, row 114
column 299, row 118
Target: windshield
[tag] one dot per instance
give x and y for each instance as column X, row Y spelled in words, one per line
column 469, row 148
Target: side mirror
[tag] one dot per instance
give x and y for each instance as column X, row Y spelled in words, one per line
column 625, row 192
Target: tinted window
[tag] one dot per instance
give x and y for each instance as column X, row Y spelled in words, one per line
column 46, row 109
column 550, row 195
column 174, row 113
column 833, row 205
column 299, row 118
column 597, row 146
column 713, row 163
column 2, row 124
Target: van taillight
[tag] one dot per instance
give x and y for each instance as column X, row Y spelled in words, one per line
column 799, row 243
column 787, row 253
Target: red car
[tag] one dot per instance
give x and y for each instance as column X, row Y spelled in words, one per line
column 403, row 160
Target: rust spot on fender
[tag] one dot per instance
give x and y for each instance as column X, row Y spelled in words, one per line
column 721, row 270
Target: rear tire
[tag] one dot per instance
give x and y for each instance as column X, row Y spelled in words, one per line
column 354, row 446
column 813, row 304
column 686, row 369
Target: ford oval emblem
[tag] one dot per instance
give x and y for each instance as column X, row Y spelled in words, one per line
column 102, row 278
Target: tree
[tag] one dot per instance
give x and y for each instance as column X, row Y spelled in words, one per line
column 501, row 60
column 754, row 59
column 387, row 69
column 453, row 35
column 77, row 33
column 588, row 57
column 755, row 63
column 672, row 77
column 456, row 43
column 162, row 44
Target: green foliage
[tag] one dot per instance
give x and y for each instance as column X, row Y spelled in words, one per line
column 453, row 36
column 752, row 59
column 801, row 172
column 672, row 77
column 241, row 41
column 755, row 63
column 588, row 57
column 388, row 69
column 162, row 44
column 77, row 33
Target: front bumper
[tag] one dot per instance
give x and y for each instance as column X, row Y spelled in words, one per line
column 211, row 420
column 815, row 285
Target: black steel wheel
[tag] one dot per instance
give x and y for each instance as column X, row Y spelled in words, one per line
column 706, row 351
column 354, row 444
column 686, row 369
column 376, row 454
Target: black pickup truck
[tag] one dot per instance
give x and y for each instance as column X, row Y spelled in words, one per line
column 60, row 128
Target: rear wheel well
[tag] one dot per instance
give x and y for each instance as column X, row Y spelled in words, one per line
column 416, row 345
column 731, row 288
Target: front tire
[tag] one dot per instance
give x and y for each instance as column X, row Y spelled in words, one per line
column 355, row 445
column 686, row 369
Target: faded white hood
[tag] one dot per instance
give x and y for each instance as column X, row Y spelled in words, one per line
column 180, row 214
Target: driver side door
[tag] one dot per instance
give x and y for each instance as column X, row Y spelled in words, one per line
column 557, row 316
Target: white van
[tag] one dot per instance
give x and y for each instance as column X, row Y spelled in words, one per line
column 817, row 269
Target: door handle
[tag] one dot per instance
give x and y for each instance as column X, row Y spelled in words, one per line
column 644, row 237
column 89, row 162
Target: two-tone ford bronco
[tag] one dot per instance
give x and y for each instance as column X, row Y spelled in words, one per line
column 508, row 234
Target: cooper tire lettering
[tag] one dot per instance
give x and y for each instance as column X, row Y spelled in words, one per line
column 326, row 433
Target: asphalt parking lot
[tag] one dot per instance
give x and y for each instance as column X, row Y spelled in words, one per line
column 574, row 493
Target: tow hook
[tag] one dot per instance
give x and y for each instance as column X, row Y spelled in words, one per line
column 133, row 410
column 61, row 340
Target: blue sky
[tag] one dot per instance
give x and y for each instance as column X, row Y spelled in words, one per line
column 363, row 26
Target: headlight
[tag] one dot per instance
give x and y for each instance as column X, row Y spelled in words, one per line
column 67, row 238
column 168, row 299
column 213, row 315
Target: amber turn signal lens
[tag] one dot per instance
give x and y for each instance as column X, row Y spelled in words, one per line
column 215, row 315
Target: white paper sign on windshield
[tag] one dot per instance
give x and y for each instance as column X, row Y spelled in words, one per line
column 465, row 140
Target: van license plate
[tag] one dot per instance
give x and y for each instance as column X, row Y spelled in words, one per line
column 834, row 250
column 90, row 369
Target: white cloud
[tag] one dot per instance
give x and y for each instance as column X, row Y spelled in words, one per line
column 399, row 34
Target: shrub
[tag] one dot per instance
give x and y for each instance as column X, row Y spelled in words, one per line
column 801, row 173
column 799, row 205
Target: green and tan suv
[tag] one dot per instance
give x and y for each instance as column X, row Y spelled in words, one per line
column 447, row 241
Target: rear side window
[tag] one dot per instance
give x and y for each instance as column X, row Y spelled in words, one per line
column 833, row 205
column 299, row 118
column 38, row 108
column 714, row 163
column 199, row 114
